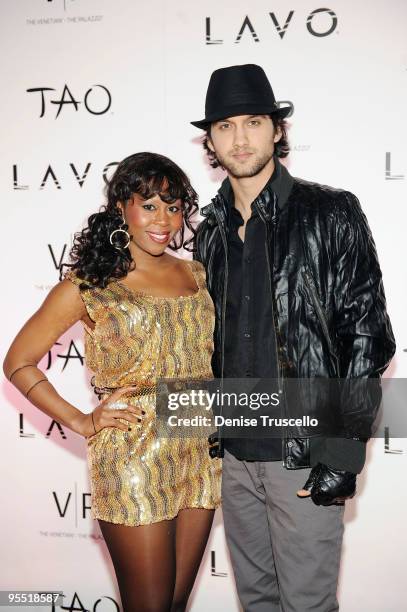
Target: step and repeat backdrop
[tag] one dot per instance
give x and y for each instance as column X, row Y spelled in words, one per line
column 86, row 83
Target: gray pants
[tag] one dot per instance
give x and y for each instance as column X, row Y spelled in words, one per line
column 285, row 551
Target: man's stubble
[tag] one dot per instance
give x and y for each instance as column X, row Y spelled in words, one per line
column 248, row 170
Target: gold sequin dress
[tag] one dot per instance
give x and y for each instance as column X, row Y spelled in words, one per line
column 139, row 477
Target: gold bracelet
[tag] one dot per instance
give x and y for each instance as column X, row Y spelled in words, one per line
column 35, row 384
column 28, row 365
column 93, row 422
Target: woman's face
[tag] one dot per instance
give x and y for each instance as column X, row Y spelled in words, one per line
column 152, row 222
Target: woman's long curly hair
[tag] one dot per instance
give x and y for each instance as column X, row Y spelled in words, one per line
column 94, row 259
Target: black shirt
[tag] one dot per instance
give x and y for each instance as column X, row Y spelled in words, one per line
column 250, row 349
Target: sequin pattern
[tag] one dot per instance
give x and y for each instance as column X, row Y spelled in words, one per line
column 137, row 477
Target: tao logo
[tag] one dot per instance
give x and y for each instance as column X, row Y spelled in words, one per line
column 96, row 101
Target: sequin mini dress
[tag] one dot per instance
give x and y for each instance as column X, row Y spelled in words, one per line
column 138, row 477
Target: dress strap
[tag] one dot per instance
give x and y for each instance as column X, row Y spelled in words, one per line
column 198, row 272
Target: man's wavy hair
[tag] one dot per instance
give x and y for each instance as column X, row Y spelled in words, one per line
column 281, row 148
column 93, row 257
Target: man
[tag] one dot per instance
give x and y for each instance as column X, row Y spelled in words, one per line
column 293, row 272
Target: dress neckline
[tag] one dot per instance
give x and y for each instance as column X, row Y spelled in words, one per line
column 144, row 294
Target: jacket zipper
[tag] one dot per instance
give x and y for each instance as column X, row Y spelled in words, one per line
column 279, row 374
column 212, row 254
column 224, row 298
column 321, row 317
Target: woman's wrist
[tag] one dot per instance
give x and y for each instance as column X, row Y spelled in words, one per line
column 77, row 422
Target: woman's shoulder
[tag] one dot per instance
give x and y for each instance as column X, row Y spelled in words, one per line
column 95, row 298
column 198, row 270
column 72, row 275
column 195, row 265
column 88, row 292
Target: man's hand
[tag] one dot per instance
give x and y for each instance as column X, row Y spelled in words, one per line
column 214, row 451
column 329, row 487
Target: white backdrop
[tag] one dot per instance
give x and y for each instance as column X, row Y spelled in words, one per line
column 143, row 67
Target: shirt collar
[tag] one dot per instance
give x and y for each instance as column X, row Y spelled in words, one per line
column 280, row 182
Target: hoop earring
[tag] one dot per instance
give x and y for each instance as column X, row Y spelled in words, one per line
column 122, row 231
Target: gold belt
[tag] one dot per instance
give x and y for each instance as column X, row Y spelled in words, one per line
column 146, row 390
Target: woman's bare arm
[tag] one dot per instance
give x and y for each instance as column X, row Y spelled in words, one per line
column 62, row 308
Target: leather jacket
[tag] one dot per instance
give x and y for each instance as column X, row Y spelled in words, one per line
column 325, row 280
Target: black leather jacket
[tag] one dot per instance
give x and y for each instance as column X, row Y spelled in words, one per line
column 325, row 280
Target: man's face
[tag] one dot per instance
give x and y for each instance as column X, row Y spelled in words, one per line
column 244, row 145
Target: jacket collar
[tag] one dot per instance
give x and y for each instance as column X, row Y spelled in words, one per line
column 277, row 189
column 280, row 184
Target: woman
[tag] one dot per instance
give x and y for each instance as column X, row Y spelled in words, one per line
column 146, row 314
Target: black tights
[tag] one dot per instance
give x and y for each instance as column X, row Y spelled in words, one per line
column 156, row 565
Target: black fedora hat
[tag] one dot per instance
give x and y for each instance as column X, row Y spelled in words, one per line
column 240, row 90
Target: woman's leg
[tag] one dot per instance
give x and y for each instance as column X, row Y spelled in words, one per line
column 144, row 562
column 193, row 526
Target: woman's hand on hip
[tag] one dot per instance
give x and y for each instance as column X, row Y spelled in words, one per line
column 106, row 415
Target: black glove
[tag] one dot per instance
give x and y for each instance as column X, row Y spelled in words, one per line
column 330, row 487
column 214, row 446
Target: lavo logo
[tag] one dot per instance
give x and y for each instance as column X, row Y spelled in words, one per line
column 214, row 571
column 96, row 101
column 389, row 176
column 25, row 434
column 387, row 449
column 313, row 24
column 50, row 177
